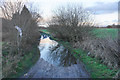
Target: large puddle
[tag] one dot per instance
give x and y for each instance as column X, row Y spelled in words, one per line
column 54, row 53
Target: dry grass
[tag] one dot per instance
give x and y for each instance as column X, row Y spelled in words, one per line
column 9, row 59
column 106, row 50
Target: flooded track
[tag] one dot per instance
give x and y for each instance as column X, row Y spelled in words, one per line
column 55, row 62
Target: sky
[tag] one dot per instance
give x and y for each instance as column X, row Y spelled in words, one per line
column 105, row 11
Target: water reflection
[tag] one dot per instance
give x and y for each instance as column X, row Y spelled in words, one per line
column 54, row 53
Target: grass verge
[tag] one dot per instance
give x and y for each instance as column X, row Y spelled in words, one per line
column 44, row 31
column 22, row 66
column 28, row 61
column 96, row 69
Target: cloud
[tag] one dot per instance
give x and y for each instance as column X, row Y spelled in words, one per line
column 104, row 8
column 106, row 19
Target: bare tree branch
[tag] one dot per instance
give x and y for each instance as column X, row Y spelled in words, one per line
column 10, row 8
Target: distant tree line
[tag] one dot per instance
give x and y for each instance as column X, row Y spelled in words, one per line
column 113, row 26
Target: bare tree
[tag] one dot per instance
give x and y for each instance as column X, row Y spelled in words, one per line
column 10, row 8
column 73, row 16
column 36, row 16
column 73, row 23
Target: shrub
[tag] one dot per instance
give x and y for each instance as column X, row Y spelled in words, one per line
column 71, row 23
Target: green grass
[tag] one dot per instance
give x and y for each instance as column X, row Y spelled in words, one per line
column 96, row 69
column 44, row 31
column 27, row 62
column 106, row 32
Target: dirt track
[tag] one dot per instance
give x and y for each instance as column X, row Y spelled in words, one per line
column 43, row 69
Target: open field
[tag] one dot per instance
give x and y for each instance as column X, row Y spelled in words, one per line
column 106, row 32
column 99, row 32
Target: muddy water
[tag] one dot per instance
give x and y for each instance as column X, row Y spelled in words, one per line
column 55, row 54
column 55, row 62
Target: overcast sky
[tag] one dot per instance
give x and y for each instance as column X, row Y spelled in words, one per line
column 105, row 11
